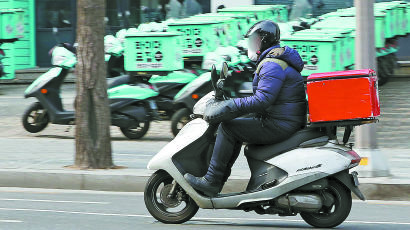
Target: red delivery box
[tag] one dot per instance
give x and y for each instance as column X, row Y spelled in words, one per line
column 343, row 95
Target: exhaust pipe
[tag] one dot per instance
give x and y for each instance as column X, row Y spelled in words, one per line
column 300, row 202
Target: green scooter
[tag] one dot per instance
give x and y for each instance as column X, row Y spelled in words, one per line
column 132, row 106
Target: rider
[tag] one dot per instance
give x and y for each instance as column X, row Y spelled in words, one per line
column 278, row 104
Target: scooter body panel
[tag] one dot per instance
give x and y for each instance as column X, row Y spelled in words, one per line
column 163, row 160
column 303, row 165
column 42, row 80
column 131, row 92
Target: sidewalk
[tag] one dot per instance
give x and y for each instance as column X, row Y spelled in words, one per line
column 39, row 163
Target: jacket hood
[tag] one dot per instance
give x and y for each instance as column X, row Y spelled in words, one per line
column 286, row 54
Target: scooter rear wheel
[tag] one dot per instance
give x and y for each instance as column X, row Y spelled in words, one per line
column 35, row 118
column 334, row 215
column 136, row 132
column 169, row 210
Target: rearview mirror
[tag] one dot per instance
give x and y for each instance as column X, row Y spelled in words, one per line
column 224, row 71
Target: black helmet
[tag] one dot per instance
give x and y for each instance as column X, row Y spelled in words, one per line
column 268, row 32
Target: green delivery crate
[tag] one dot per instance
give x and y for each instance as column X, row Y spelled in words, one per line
column 276, row 13
column 318, row 53
column 244, row 20
column 350, row 22
column 7, row 23
column 19, row 15
column 402, row 17
column 408, row 17
column 241, row 21
column 254, row 16
column 345, row 42
column 199, row 37
column 231, row 30
column 388, row 25
column 156, row 51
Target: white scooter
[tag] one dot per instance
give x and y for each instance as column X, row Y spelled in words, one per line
column 306, row 174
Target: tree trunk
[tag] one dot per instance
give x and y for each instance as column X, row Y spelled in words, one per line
column 92, row 134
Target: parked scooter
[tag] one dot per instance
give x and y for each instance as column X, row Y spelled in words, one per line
column 3, row 54
column 317, row 186
column 131, row 109
column 238, row 85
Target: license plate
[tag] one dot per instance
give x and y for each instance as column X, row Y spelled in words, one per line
column 355, row 179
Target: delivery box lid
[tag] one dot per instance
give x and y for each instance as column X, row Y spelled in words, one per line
column 341, row 74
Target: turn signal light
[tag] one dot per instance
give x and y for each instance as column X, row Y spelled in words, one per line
column 195, row 96
column 44, row 91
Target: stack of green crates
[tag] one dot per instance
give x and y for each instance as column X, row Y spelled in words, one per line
column 153, row 51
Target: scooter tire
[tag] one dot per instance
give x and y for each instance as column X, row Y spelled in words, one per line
column 180, row 117
column 135, row 133
column 159, row 210
column 342, row 207
column 36, row 126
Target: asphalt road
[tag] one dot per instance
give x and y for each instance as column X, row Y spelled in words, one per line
column 68, row 209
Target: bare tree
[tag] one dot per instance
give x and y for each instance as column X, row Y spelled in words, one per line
column 92, row 134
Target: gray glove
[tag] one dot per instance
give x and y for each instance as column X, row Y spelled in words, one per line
column 218, row 111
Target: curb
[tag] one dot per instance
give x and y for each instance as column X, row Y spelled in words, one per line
column 120, row 182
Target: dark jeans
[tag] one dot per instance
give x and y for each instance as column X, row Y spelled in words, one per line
column 231, row 134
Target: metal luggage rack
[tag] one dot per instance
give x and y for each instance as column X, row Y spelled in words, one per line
column 331, row 126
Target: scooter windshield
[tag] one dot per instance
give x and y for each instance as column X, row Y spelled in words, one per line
column 64, row 58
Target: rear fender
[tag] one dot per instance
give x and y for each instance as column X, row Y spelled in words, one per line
column 347, row 179
column 137, row 112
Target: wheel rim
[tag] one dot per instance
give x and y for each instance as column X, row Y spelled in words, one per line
column 37, row 117
column 137, row 129
column 177, row 206
column 327, row 212
column 182, row 122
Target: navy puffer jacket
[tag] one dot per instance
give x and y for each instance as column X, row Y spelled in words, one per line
column 278, row 95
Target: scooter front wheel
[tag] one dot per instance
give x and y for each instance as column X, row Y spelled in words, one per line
column 334, row 214
column 136, row 132
column 35, row 118
column 167, row 201
column 179, row 120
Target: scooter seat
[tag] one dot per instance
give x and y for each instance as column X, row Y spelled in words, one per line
column 116, row 81
column 307, row 136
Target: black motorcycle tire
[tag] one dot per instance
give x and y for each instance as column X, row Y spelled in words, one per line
column 157, row 209
column 38, row 125
column 342, row 207
column 131, row 133
column 180, row 117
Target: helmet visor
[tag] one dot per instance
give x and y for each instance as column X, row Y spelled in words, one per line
column 254, row 42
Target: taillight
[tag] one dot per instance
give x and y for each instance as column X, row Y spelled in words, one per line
column 356, row 158
column 2, row 52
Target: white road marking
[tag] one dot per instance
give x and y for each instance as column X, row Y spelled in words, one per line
column 195, row 218
column 134, row 155
column 65, row 191
column 11, row 221
column 384, row 202
column 55, row 201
